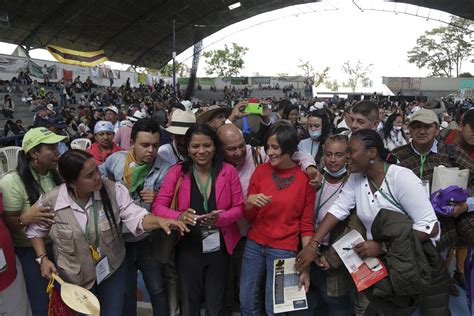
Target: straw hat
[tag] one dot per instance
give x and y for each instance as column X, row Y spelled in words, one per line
column 213, row 110
column 181, row 121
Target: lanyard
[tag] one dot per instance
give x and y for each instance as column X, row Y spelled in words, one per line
column 96, row 226
column 203, row 188
column 422, row 164
column 102, row 157
column 319, row 205
column 390, row 199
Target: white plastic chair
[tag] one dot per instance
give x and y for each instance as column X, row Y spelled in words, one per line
column 81, row 143
column 11, row 155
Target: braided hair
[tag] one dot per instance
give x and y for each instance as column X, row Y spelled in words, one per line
column 372, row 139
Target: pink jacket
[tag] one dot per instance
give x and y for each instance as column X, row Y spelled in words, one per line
column 229, row 198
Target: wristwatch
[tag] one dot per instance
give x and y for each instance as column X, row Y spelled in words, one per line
column 40, row 259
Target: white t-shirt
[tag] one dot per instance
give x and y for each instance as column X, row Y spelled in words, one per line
column 407, row 190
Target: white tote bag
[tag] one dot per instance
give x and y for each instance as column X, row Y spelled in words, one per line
column 444, row 177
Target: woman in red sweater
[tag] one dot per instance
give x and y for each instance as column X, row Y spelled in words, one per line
column 280, row 208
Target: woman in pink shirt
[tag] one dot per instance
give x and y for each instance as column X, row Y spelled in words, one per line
column 88, row 213
column 210, row 200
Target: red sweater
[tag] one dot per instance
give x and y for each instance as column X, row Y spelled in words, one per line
column 289, row 215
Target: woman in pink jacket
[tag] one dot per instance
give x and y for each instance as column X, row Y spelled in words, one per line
column 210, row 201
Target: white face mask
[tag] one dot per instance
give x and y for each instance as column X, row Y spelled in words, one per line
column 315, row 134
column 397, row 128
column 336, row 174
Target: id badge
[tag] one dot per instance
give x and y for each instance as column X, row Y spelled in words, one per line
column 426, row 186
column 102, row 269
column 211, row 240
column 3, row 261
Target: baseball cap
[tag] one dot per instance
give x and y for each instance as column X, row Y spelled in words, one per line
column 57, row 121
column 425, row 116
column 39, row 135
column 111, row 108
column 103, row 126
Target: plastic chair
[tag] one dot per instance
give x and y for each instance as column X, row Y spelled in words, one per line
column 11, row 155
column 81, row 143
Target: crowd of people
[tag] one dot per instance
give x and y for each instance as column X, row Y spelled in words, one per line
column 202, row 200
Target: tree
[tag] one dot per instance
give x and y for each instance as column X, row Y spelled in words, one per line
column 227, row 62
column 167, row 70
column 332, row 84
column 443, row 49
column 465, row 75
column 314, row 77
column 356, row 73
column 282, row 74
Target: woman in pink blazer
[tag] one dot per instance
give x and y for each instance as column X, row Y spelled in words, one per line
column 210, row 201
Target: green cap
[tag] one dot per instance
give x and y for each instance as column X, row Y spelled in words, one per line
column 39, row 135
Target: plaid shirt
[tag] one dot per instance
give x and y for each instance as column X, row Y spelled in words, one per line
column 408, row 157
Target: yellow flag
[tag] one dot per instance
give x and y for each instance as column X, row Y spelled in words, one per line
column 75, row 57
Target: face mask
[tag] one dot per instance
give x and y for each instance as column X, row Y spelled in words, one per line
column 397, row 128
column 315, row 134
column 337, row 174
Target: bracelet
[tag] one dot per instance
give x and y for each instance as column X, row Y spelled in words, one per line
column 313, row 243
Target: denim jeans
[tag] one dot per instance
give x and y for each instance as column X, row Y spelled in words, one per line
column 35, row 283
column 320, row 303
column 258, row 263
column 111, row 292
column 139, row 257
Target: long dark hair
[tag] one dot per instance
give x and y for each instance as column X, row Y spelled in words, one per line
column 389, row 125
column 70, row 165
column 203, row 129
column 32, row 187
column 372, row 139
column 326, row 129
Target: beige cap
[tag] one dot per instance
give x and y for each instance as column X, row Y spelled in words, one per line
column 425, row 116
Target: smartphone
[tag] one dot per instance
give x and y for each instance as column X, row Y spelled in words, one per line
column 254, row 107
column 209, row 214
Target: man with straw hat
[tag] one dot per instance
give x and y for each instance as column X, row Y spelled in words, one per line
column 180, row 122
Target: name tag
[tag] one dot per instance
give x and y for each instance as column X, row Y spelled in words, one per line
column 102, row 269
column 211, row 240
column 3, row 261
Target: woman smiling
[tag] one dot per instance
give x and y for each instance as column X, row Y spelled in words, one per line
column 210, row 200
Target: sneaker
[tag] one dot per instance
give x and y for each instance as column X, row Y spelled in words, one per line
column 458, row 277
column 453, row 290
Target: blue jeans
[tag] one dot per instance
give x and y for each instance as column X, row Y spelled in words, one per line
column 139, row 257
column 111, row 292
column 35, row 283
column 257, row 263
column 320, row 303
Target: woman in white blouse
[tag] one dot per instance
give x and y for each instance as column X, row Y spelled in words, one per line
column 371, row 167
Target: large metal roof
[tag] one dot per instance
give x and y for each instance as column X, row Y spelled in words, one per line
column 139, row 32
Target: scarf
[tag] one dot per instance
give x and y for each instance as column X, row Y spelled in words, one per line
column 134, row 174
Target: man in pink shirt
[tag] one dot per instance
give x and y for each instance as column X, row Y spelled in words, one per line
column 122, row 137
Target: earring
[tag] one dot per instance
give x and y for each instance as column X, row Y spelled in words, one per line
column 371, row 162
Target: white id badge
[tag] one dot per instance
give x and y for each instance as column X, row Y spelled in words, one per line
column 426, row 186
column 102, row 269
column 3, row 261
column 211, row 240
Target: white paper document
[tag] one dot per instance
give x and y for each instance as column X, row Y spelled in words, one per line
column 365, row 273
column 286, row 296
